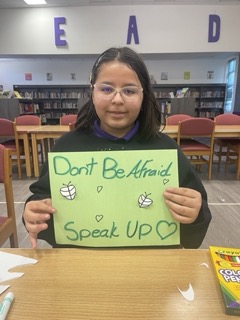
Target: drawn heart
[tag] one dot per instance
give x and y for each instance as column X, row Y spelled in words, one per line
column 99, row 188
column 165, row 181
column 99, row 217
column 165, row 229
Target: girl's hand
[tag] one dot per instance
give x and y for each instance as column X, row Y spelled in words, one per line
column 35, row 215
column 184, row 204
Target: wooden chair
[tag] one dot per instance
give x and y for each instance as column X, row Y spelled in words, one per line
column 28, row 120
column 7, row 132
column 233, row 157
column 192, row 136
column 72, row 126
column 175, row 118
column 8, row 229
column 222, row 143
column 68, row 119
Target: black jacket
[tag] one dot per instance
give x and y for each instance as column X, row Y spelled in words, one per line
column 191, row 235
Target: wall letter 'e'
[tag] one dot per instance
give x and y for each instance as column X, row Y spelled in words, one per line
column 132, row 30
column 59, row 32
column 214, row 23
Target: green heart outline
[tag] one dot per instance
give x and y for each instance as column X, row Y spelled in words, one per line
column 99, row 217
column 169, row 225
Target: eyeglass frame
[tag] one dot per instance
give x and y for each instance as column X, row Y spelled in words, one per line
column 117, row 90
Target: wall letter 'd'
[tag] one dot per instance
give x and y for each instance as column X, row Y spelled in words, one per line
column 58, row 32
column 214, row 21
column 132, row 30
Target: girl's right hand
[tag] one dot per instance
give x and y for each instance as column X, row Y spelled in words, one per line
column 35, row 215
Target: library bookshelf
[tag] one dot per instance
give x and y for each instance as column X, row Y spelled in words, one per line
column 209, row 98
column 52, row 101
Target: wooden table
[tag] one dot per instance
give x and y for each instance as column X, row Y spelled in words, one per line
column 116, row 284
column 41, row 133
column 223, row 131
column 23, row 133
column 55, row 131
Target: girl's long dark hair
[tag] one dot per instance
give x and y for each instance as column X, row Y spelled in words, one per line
column 149, row 117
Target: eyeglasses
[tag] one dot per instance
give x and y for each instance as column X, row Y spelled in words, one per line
column 108, row 92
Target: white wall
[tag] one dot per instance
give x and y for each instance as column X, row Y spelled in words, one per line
column 90, row 30
column 12, row 71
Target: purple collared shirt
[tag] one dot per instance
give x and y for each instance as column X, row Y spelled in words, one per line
column 102, row 134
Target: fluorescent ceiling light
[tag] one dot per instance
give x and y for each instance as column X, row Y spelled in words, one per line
column 35, row 2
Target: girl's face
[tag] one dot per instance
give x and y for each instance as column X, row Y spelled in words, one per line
column 117, row 110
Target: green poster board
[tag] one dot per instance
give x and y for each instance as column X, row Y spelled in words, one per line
column 112, row 199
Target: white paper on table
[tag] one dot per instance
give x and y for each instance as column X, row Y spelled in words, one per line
column 9, row 261
column 188, row 294
column 3, row 288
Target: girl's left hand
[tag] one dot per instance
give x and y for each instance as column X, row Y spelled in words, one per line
column 184, row 204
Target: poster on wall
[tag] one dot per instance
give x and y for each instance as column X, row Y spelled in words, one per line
column 49, row 76
column 164, row 76
column 73, row 76
column 210, row 75
column 186, row 75
column 28, row 76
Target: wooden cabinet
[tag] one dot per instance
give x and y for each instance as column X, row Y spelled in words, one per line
column 9, row 109
column 51, row 102
column 209, row 98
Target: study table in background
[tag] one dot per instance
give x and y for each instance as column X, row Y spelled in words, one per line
column 223, row 131
column 23, row 133
column 37, row 133
column 55, row 131
column 115, row 284
column 41, row 133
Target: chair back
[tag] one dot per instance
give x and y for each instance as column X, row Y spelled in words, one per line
column 227, row 119
column 6, row 128
column 67, row 119
column 8, row 229
column 175, row 118
column 222, row 143
column 28, row 120
column 7, row 131
column 24, row 120
column 190, row 134
column 196, row 127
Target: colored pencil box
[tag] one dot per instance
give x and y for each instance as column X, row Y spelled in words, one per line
column 226, row 262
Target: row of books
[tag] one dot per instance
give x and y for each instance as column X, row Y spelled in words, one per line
column 50, row 95
column 69, row 105
column 186, row 92
column 208, row 114
column 55, row 115
column 216, row 104
column 29, row 108
column 213, row 94
column 74, row 95
column 36, row 108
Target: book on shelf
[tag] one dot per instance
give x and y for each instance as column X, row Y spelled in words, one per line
column 181, row 93
column 17, row 94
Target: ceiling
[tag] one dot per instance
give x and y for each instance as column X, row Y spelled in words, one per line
column 10, row 4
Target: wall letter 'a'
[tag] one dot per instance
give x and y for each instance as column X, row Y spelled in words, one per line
column 132, row 30
column 59, row 32
column 214, row 28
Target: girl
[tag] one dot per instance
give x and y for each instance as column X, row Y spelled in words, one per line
column 122, row 114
